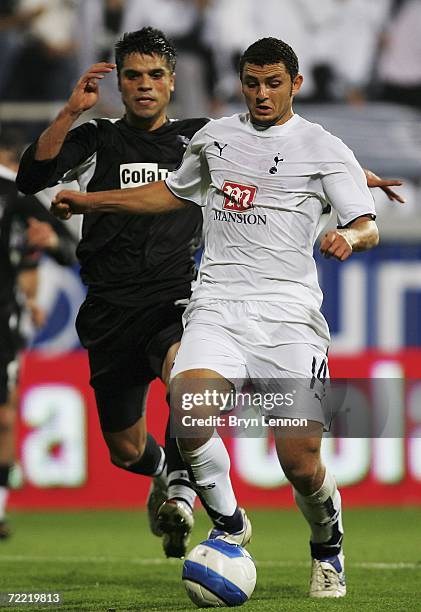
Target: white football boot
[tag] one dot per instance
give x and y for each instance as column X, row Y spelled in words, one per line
column 328, row 577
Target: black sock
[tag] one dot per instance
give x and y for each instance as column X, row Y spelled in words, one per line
column 230, row 524
column 4, row 474
column 328, row 549
column 179, row 485
column 149, row 463
column 174, row 459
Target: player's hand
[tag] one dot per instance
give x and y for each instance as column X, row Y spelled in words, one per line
column 336, row 244
column 41, row 235
column 385, row 185
column 67, row 203
column 86, row 92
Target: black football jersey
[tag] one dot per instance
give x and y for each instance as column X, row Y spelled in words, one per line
column 126, row 259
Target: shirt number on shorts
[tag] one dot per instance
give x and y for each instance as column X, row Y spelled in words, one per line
column 318, row 373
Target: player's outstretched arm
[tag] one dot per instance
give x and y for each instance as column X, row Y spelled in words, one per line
column 152, row 198
column 385, row 185
column 83, row 97
column 361, row 235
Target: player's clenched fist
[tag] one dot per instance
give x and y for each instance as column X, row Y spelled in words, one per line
column 67, row 203
column 336, row 244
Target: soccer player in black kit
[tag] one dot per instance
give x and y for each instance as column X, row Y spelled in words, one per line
column 26, row 230
column 138, row 270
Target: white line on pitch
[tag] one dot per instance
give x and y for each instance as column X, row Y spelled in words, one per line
column 157, row 561
column 357, row 564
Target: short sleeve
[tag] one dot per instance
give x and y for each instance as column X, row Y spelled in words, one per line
column 191, row 179
column 345, row 186
column 34, row 175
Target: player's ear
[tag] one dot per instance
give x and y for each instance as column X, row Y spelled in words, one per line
column 172, row 82
column 296, row 84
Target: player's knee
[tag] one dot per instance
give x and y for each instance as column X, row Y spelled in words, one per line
column 125, row 453
column 192, row 444
column 301, row 473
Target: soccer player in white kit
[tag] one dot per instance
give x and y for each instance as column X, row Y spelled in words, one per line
column 265, row 179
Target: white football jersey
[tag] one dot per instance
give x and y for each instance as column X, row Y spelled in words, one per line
column 265, row 192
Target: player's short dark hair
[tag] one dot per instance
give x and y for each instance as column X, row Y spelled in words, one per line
column 268, row 51
column 147, row 41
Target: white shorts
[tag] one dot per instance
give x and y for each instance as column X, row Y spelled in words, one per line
column 276, row 346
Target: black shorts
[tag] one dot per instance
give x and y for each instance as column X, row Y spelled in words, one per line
column 127, row 345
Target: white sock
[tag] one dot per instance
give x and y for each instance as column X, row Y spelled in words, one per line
column 210, row 465
column 179, row 487
column 323, row 513
column 161, row 471
column 4, row 494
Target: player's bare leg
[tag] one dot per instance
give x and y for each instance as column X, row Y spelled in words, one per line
column 319, row 500
column 127, row 449
column 135, row 450
column 174, row 516
column 128, row 446
column 205, row 454
column 7, row 455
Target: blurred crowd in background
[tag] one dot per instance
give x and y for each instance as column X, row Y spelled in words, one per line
column 361, row 61
column 349, row 50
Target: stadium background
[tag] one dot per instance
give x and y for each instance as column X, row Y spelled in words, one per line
column 372, row 302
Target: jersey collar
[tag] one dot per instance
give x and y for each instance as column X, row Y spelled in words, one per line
column 273, row 130
column 162, row 127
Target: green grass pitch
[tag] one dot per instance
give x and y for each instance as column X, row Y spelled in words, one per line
column 108, row 560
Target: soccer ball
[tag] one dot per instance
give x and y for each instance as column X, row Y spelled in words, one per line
column 217, row 574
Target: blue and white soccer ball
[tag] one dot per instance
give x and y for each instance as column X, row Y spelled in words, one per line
column 217, row 574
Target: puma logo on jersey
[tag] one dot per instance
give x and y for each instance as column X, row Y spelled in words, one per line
column 219, row 147
column 133, row 175
column 238, row 198
column 276, row 159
